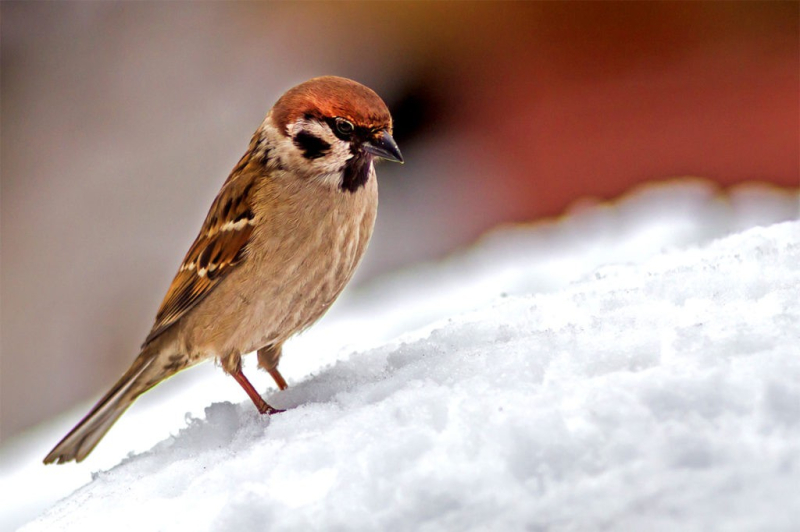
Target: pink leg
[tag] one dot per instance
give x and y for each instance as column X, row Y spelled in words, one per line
column 278, row 378
column 260, row 403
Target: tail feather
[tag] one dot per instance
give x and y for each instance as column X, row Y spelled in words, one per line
column 85, row 436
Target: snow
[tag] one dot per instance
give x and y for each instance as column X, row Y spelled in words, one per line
column 622, row 368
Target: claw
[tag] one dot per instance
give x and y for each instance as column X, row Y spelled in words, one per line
column 265, row 408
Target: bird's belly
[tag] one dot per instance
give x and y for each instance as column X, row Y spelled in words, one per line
column 279, row 295
column 312, row 284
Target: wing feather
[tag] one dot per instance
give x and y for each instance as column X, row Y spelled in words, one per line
column 217, row 250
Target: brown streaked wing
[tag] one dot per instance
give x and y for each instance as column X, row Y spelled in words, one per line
column 220, row 246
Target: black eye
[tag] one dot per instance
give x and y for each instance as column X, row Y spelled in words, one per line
column 344, row 127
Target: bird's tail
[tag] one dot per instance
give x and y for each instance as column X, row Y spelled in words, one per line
column 84, row 437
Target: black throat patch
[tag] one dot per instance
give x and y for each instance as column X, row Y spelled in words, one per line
column 356, row 172
column 313, row 147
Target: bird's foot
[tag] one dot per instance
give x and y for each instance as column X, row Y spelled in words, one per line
column 265, row 408
column 262, row 406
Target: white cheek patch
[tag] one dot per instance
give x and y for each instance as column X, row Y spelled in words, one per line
column 326, row 169
column 318, row 129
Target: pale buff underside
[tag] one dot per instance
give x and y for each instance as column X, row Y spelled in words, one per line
column 302, row 253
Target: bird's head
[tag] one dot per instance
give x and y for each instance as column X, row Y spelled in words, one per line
column 332, row 128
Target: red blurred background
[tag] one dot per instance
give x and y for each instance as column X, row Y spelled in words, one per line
column 121, row 120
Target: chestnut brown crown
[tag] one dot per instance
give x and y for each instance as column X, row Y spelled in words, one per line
column 331, row 96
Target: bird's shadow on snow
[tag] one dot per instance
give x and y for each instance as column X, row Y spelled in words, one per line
column 453, row 352
column 365, row 378
column 370, row 376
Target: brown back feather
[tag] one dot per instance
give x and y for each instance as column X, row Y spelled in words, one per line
column 217, row 250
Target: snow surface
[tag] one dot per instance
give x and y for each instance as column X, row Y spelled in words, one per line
column 616, row 369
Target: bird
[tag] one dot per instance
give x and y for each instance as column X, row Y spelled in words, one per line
column 280, row 242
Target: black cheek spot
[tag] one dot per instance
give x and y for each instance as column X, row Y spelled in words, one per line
column 312, row 147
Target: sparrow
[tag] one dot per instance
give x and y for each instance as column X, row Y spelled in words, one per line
column 280, row 242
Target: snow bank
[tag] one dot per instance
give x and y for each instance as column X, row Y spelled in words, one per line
column 573, row 376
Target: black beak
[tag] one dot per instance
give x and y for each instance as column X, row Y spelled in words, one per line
column 384, row 146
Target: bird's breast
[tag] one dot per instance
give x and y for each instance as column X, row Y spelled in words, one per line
column 303, row 250
column 308, row 253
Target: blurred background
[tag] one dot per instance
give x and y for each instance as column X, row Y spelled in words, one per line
column 121, row 120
